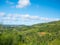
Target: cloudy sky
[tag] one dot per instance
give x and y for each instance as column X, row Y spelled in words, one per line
column 28, row 12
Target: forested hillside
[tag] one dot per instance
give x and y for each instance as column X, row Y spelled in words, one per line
column 37, row 34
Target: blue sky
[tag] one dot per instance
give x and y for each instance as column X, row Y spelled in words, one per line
column 28, row 12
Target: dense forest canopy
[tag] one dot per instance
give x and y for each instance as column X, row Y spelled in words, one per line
column 37, row 34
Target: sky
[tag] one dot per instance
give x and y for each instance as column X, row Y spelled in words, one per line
column 28, row 12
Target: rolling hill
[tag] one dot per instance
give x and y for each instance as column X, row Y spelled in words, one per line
column 37, row 34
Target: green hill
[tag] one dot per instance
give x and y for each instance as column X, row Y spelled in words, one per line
column 37, row 34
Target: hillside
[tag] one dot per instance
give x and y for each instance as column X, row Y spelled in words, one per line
column 37, row 34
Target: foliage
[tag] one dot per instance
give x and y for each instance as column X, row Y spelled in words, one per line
column 37, row 34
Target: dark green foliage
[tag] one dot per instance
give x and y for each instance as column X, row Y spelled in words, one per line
column 38, row 34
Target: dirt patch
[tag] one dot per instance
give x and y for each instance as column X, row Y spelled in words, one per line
column 42, row 33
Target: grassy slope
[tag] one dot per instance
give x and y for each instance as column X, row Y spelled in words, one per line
column 38, row 34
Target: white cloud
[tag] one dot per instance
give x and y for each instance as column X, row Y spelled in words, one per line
column 9, row 2
column 2, row 14
column 20, row 3
column 28, row 17
column 23, row 3
column 24, row 18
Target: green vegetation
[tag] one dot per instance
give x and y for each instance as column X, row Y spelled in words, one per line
column 37, row 34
